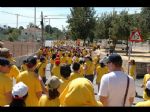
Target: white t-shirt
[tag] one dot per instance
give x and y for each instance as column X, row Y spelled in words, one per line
column 113, row 85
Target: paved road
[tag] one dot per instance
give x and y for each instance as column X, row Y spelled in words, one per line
column 138, row 83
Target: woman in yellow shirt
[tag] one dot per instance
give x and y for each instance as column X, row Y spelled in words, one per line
column 79, row 92
column 24, row 66
column 52, row 96
column 132, row 70
column 56, row 69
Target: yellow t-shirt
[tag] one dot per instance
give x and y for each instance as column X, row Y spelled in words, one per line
column 42, row 67
column 34, row 85
column 52, row 61
column 132, row 71
column 5, row 87
column 45, row 102
column 146, row 77
column 63, row 84
column 56, row 71
column 89, row 68
column 143, row 104
column 79, row 92
column 74, row 75
column 69, row 60
column 63, row 60
column 81, row 70
column 100, row 72
column 14, row 72
column 23, row 67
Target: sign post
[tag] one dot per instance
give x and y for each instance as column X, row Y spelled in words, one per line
column 134, row 37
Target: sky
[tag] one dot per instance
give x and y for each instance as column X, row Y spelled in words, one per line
column 57, row 15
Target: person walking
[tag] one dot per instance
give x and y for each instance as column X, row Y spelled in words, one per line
column 52, row 96
column 31, row 79
column 5, row 82
column 116, row 87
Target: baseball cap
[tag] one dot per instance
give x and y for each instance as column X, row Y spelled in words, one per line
column 114, row 58
column 104, row 60
column 148, row 84
column 20, row 90
column 53, row 82
column 57, row 62
column 4, row 52
column 4, row 62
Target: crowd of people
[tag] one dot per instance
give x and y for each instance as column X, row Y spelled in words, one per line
column 71, row 80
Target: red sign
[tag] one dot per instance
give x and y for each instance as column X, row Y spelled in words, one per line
column 136, row 36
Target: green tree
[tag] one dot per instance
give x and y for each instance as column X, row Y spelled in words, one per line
column 82, row 22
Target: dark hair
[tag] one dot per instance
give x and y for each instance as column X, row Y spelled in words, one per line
column 81, row 62
column 102, row 65
column 19, row 102
column 65, row 71
column 133, row 62
column 147, row 92
column 76, row 66
column 115, row 59
column 53, row 56
column 31, row 61
column 42, row 59
column 53, row 93
column 24, row 61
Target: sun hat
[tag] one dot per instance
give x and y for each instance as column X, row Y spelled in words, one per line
column 53, row 82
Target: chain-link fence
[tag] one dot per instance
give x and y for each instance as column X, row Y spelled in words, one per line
column 22, row 48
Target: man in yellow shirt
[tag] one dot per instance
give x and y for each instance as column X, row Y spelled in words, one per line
column 132, row 70
column 31, row 79
column 76, row 73
column 41, row 68
column 79, row 92
column 147, row 92
column 5, row 82
column 14, row 71
column 146, row 78
column 56, row 69
column 89, row 68
column 65, row 72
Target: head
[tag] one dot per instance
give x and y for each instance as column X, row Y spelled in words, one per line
column 65, row 71
column 19, row 93
column 103, row 61
column 73, row 92
column 24, row 61
column 147, row 90
column 5, row 52
column 4, row 65
column 148, row 68
column 57, row 62
column 132, row 62
column 114, row 62
column 31, row 62
column 76, row 66
column 42, row 59
column 53, row 83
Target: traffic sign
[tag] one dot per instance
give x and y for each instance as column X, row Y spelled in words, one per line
column 136, row 36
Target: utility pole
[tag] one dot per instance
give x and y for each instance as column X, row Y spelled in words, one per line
column 17, row 20
column 42, row 28
column 35, row 16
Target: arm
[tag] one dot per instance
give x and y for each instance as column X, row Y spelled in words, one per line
column 39, row 94
column 131, row 100
column 104, row 100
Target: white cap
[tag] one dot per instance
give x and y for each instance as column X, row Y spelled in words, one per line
column 104, row 60
column 148, row 84
column 20, row 90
